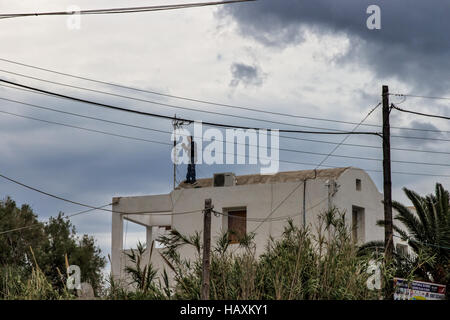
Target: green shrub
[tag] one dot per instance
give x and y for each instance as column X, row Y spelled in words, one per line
column 299, row 265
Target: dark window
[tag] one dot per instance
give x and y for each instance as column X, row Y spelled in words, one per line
column 237, row 225
column 358, row 225
column 358, row 184
column 402, row 249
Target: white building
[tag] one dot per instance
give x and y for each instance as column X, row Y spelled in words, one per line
column 301, row 195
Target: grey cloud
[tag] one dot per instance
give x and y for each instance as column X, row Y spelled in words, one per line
column 92, row 168
column 413, row 44
column 416, row 124
column 246, row 74
column 423, row 126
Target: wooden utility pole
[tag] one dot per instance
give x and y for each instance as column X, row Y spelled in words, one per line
column 174, row 124
column 304, row 203
column 387, row 187
column 206, row 249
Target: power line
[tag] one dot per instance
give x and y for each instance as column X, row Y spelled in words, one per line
column 169, row 144
column 121, row 10
column 281, row 136
column 163, row 143
column 18, row 229
column 134, row 138
column 421, row 113
column 156, row 115
column 346, row 137
column 411, row 173
column 44, row 222
column 204, row 101
column 85, row 129
column 169, row 132
column 282, row 161
column 93, row 207
column 420, row 138
column 264, row 220
column 279, row 205
column 83, row 116
column 407, row 149
column 298, row 186
column 315, row 176
column 145, row 128
column 102, row 132
column 336, row 132
column 122, row 136
column 171, row 105
column 416, row 96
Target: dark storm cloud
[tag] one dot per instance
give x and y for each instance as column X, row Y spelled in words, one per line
column 246, row 74
column 425, row 133
column 413, row 44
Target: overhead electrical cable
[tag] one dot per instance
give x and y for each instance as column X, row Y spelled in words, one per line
column 208, row 102
column 170, row 144
column 170, row 132
column 122, row 10
column 85, row 129
column 146, row 128
column 45, row 222
column 94, row 207
column 336, row 131
column 156, row 115
column 263, row 220
column 421, row 113
column 416, row 96
column 346, row 137
column 174, row 106
column 315, row 174
column 420, row 138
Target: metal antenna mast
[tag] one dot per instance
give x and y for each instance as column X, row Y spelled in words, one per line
column 176, row 124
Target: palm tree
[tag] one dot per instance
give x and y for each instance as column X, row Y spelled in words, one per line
column 427, row 232
column 429, row 229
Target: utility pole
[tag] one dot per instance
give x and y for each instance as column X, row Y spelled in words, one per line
column 304, row 203
column 206, row 249
column 332, row 189
column 174, row 124
column 330, row 192
column 387, row 187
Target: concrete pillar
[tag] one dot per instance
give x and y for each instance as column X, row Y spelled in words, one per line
column 149, row 237
column 116, row 244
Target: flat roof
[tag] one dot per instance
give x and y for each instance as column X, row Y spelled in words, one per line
column 287, row 176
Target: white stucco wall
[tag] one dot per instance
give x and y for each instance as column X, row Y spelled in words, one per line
column 259, row 200
column 368, row 198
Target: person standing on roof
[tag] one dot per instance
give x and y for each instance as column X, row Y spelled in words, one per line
column 190, row 149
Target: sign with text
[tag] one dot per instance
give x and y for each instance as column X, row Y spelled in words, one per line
column 418, row 290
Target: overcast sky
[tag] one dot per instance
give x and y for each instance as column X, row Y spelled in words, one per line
column 312, row 58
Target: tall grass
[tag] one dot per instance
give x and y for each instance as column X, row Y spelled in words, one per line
column 143, row 284
column 299, row 265
column 16, row 284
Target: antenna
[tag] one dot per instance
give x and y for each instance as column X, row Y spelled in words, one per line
column 176, row 124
